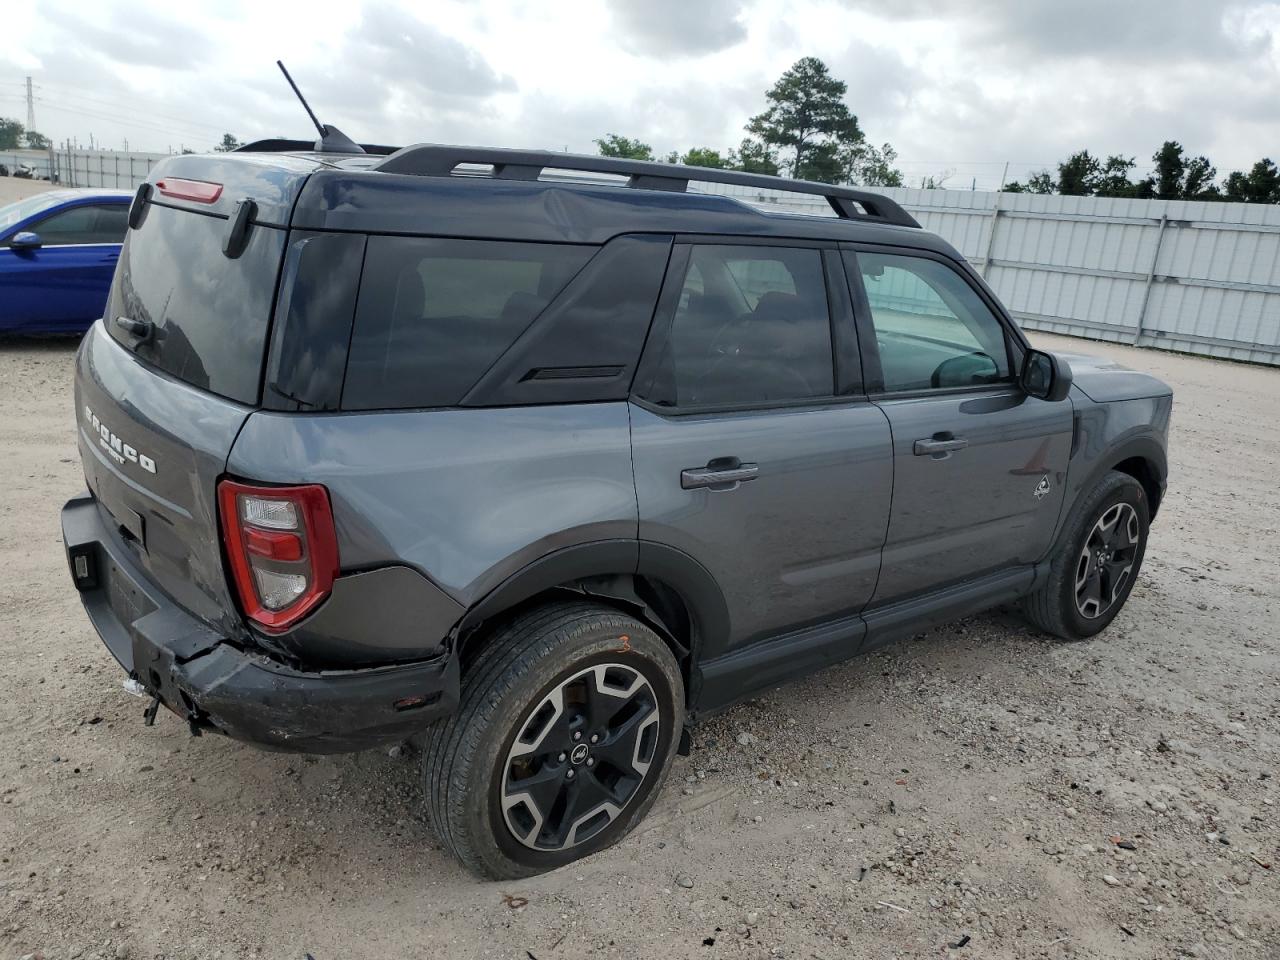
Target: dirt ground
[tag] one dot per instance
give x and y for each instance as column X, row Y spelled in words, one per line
column 14, row 188
column 954, row 795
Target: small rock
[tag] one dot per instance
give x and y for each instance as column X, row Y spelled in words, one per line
column 396, row 752
column 1159, row 806
column 899, row 832
column 1109, row 880
column 684, row 881
column 752, row 918
column 745, row 739
column 122, row 951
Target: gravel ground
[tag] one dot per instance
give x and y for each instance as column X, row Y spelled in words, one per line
column 14, row 188
column 959, row 794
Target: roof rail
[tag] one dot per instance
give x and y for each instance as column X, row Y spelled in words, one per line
column 440, row 160
column 280, row 145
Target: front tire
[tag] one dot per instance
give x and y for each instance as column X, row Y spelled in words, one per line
column 1097, row 563
column 566, row 725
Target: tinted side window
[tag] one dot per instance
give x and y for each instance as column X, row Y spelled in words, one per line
column 434, row 314
column 112, row 223
column 751, row 326
column 88, row 224
column 932, row 328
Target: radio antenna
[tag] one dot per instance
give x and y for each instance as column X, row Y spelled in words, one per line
column 332, row 140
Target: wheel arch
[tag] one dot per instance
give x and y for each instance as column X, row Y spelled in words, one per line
column 660, row 585
column 1145, row 471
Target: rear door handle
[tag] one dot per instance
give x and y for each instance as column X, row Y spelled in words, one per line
column 936, row 445
column 722, row 473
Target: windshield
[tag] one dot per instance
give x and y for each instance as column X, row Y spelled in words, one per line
column 17, row 212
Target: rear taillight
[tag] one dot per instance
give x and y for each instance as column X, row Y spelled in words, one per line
column 282, row 549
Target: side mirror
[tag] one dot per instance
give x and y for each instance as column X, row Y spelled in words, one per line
column 26, row 240
column 1045, row 376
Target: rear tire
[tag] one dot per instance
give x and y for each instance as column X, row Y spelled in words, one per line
column 566, row 725
column 1097, row 563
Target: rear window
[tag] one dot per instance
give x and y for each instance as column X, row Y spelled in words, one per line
column 434, row 314
column 210, row 312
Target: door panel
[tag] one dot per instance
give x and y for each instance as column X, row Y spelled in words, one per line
column 978, row 465
column 56, row 288
column 960, row 513
column 798, row 543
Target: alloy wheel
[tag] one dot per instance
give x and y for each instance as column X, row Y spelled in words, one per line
column 1106, row 560
column 580, row 756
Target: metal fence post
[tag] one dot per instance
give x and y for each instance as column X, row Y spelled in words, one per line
column 1151, row 277
column 991, row 236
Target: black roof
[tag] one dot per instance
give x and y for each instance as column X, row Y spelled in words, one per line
column 490, row 193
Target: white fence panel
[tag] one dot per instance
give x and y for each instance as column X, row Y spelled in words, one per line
column 1180, row 275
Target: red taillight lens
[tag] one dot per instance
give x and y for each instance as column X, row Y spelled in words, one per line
column 282, row 549
column 201, row 191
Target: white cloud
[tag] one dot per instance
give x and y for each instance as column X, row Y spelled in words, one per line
column 958, row 85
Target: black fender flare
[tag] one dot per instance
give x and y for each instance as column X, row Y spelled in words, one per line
column 1141, row 446
column 697, row 588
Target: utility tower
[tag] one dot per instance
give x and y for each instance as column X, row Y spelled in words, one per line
column 31, row 108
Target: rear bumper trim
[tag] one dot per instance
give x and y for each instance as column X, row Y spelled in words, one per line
column 204, row 678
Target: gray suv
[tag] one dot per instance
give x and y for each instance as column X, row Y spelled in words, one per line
column 538, row 459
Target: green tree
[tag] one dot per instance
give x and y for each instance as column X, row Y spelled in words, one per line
column 36, row 141
column 10, row 134
column 1113, row 181
column 1169, row 169
column 228, row 144
column 752, row 156
column 704, row 157
column 1260, row 185
column 1078, row 175
column 1041, row 182
column 1178, row 176
column 806, row 112
column 614, row 145
column 868, row 166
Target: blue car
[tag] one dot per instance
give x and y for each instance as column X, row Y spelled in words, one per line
column 58, row 251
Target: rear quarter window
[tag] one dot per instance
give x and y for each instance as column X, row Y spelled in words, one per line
column 434, row 314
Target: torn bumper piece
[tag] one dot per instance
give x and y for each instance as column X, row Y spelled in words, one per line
column 213, row 684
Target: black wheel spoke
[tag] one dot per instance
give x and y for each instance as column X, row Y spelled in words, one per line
column 619, row 747
column 1093, row 588
column 543, row 787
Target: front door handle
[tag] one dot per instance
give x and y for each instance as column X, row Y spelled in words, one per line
column 938, row 444
column 722, row 473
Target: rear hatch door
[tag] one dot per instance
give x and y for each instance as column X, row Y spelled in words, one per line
column 158, row 413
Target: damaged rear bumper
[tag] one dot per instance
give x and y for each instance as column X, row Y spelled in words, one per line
column 213, row 684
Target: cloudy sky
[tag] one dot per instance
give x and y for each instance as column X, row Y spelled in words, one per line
column 957, row 86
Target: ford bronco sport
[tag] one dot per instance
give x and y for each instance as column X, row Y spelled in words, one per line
column 539, row 458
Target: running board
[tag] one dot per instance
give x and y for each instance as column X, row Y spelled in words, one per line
column 906, row 618
column 739, row 674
